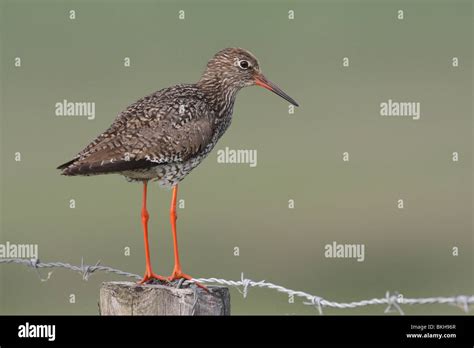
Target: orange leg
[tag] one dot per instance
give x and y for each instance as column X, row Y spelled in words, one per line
column 177, row 272
column 149, row 275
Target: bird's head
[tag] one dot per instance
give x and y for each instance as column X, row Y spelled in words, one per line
column 235, row 68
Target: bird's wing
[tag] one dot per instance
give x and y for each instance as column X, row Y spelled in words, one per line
column 135, row 142
column 142, row 111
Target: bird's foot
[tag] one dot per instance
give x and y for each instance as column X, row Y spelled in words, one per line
column 178, row 274
column 149, row 276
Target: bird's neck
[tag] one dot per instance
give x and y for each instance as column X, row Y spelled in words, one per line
column 220, row 93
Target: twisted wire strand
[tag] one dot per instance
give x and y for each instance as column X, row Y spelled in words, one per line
column 392, row 300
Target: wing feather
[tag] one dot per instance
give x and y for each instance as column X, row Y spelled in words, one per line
column 151, row 131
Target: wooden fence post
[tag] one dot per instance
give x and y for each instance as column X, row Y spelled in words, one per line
column 127, row 298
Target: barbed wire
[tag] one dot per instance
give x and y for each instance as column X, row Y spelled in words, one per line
column 393, row 301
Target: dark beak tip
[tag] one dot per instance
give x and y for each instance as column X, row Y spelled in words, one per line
column 292, row 102
column 263, row 82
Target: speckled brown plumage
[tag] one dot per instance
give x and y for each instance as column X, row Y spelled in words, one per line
column 165, row 135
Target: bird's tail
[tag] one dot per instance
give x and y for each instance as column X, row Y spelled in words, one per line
column 68, row 168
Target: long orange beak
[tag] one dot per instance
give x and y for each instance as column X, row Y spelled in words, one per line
column 262, row 81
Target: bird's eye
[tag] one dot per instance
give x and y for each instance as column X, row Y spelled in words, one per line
column 243, row 64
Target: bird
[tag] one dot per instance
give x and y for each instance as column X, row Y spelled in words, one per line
column 162, row 137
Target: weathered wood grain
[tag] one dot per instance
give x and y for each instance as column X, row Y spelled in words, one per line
column 127, row 298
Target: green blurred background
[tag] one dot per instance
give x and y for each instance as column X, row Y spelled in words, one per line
column 299, row 156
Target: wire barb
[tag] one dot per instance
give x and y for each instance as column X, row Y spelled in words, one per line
column 391, row 300
column 33, row 263
column 245, row 285
column 87, row 270
column 463, row 303
column 316, row 302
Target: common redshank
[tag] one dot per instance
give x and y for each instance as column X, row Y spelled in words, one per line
column 163, row 136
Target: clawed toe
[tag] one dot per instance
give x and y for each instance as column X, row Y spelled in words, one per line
column 151, row 276
column 177, row 275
